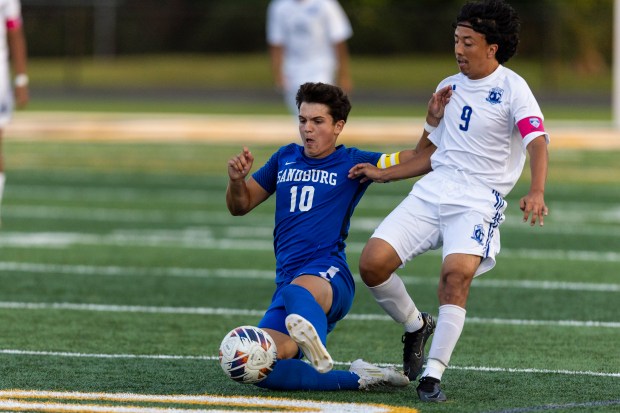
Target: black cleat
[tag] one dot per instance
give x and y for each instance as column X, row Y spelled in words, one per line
column 413, row 351
column 429, row 390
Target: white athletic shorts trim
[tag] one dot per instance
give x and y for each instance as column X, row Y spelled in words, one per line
column 446, row 208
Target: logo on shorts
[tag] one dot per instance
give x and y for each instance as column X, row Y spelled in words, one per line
column 330, row 273
column 495, row 95
column 478, row 235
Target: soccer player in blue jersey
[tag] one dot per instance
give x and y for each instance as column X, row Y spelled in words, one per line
column 314, row 203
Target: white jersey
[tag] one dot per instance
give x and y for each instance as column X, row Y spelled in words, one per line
column 307, row 30
column 486, row 128
column 10, row 15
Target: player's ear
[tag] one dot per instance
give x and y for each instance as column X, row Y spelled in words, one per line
column 492, row 50
column 339, row 126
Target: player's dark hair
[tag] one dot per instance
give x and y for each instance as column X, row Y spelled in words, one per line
column 330, row 95
column 497, row 21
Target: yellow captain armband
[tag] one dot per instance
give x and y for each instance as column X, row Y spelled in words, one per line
column 388, row 160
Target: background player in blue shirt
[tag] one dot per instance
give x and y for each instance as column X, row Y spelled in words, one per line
column 314, row 203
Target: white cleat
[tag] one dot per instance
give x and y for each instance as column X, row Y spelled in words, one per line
column 306, row 337
column 372, row 376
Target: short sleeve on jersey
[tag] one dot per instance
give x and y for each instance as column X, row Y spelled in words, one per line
column 13, row 24
column 530, row 128
column 275, row 35
column 339, row 25
column 359, row 156
column 267, row 175
column 12, row 14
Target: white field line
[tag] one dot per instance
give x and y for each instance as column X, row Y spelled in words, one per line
column 23, row 196
column 80, row 402
column 49, row 401
column 112, row 215
column 371, row 200
column 560, row 211
column 201, row 238
column 209, row 311
column 117, row 193
column 563, row 407
column 240, row 273
column 17, row 352
column 592, row 224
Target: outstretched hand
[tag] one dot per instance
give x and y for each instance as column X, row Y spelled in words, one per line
column 367, row 171
column 240, row 165
column 437, row 103
column 534, row 204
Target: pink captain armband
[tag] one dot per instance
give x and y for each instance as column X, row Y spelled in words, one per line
column 529, row 125
column 13, row 24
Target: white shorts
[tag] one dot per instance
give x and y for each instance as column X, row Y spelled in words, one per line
column 6, row 101
column 446, row 208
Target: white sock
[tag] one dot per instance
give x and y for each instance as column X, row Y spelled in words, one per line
column 449, row 327
column 392, row 296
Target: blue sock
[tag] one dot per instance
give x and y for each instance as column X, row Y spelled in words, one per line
column 294, row 374
column 298, row 300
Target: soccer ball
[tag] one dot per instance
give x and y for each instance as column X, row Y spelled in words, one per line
column 248, row 354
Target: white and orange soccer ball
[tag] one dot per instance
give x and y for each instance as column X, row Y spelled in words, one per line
column 248, row 354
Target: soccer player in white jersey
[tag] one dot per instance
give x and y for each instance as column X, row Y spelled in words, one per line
column 13, row 45
column 308, row 43
column 485, row 123
column 315, row 200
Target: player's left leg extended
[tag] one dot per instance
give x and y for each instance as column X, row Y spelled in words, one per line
column 295, row 374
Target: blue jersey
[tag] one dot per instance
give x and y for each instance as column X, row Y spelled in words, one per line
column 314, row 203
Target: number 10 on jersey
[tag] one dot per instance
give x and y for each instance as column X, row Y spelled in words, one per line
column 306, row 196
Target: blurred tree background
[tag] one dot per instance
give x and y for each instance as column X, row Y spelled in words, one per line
column 398, row 46
column 577, row 31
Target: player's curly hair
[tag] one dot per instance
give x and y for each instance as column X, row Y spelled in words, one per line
column 497, row 21
column 330, row 95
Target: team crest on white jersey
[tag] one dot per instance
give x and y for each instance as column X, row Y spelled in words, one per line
column 495, row 95
column 478, row 234
column 535, row 122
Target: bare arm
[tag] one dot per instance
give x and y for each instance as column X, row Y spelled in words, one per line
column 242, row 196
column 344, row 73
column 19, row 60
column 413, row 162
column 534, row 202
column 277, row 55
column 416, row 165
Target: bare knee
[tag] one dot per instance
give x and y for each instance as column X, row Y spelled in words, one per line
column 453, row 288
column 377, row 262
column 320, row 289
column 287, row 348
column 457, row 274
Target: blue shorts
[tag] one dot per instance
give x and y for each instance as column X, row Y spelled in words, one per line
column 335, row 270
